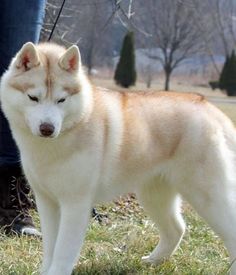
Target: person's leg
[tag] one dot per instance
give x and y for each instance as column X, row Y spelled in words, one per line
column 20, row 22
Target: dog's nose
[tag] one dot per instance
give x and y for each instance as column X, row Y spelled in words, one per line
column 46, row 129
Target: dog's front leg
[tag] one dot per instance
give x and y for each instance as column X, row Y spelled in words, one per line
column 72, row 228
column 49, row 219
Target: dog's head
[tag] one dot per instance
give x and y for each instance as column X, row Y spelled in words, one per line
column 44, row 90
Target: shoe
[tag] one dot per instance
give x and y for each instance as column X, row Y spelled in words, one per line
column 98, row 216
column 15, row 202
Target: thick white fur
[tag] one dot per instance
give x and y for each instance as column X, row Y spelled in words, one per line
column 160, row 146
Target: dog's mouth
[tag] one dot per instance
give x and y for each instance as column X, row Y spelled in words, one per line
column 48, row 137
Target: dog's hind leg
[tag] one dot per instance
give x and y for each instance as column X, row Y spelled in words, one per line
column 217, row 205
column 163, row 205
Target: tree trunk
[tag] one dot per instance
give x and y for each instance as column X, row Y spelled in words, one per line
column 149, row 81
column 90, row 60
column 167, row 79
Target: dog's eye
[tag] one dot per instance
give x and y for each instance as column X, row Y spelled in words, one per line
column 33, row 98
column 61, row 100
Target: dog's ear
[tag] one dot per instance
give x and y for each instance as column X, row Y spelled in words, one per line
column 70, row 60
column 28, row 57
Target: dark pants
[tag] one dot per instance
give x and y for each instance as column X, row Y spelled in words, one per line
column 20, row 22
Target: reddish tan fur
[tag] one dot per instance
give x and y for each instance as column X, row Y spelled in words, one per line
column 72, row 89
column 22, row 87
column 148, row 132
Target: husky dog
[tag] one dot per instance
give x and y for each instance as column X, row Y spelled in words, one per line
column 81, row 145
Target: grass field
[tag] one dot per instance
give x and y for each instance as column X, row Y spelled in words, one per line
column 117, row 245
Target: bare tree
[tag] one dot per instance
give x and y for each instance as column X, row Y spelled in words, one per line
column 82, row 22
column 95, row 32
column 66, row 25
column 223, row 15
column 148, row 74
column 216, row 19
column 173, row 32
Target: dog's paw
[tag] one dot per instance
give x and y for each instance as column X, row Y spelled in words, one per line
column 150, row 260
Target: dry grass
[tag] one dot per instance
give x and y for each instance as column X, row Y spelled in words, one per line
column 158, row 86
column 229, row 110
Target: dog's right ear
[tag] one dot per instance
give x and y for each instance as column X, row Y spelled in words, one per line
column 27, row 58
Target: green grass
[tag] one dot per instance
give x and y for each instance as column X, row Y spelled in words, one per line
column 117, row 245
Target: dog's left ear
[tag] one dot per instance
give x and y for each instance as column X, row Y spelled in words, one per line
column 70, row 60
column 28, row 57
